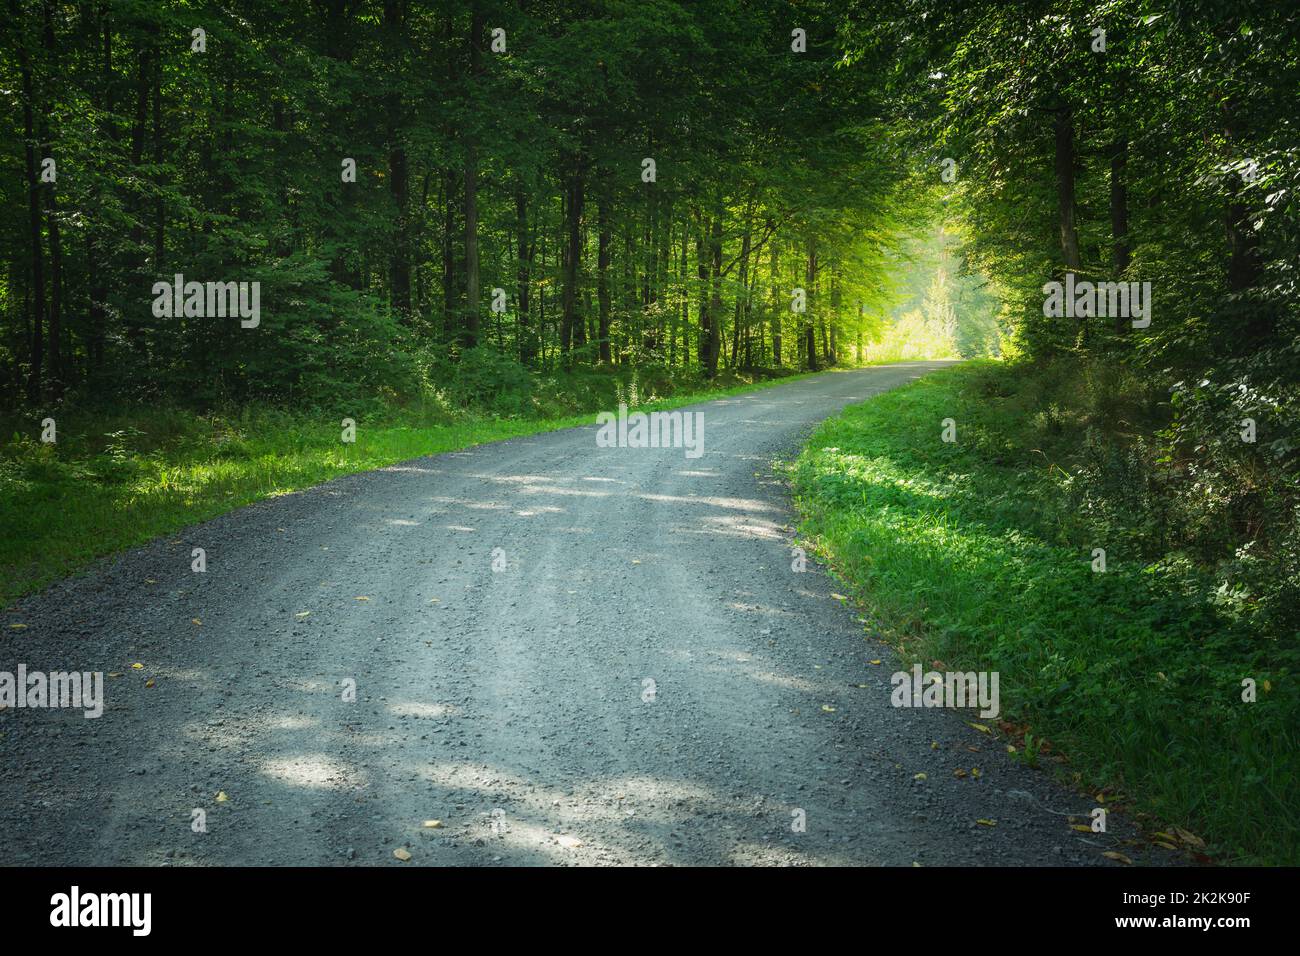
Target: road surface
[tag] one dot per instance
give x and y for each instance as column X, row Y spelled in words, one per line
column 642, row 680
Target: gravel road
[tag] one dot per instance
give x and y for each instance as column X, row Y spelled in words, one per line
column 514, row 706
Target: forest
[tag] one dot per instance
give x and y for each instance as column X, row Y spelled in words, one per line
column 503, row 187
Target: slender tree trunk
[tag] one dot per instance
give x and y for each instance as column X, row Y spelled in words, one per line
column 1119, row 217
column 715, row 293
column 398, row 169
column 450, row 281
column 159, row 207
column 1065, row 198
column 705, row 347
column 857, row 357
column 1065, row 204
column 776, row 305
column 832, row 356
column 602, row 263
column 57, row 376
column 527, row 347
column 686, row 294
column 1243, row 246
column 37, row 336
column 470, row 337
column 810, row 286
column 138, row 258
column 573, row 253
column 98, row 256
column 742, row 305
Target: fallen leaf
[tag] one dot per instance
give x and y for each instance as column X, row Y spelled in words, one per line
column 980, row 727
column 959, row 772
column 137, row 667
column 987, row 823
column 149, row 682
column 18, row 627
column 975, row 772
column 1189, row 838
column 828, row 708
column 221, row 797
column 1117, row 857
column 431, row 824
column 402, row 854
column 114, row 674
column 302, row 613
column 920, row 776
column 1162, row 843
column 363, row 598
column 876, row 662
column 838, row 597
column 195, row 620
column 1081, row 827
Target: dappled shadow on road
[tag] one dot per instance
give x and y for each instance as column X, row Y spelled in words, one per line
column 499, row 617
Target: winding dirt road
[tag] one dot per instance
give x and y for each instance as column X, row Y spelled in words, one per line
column 515, row 706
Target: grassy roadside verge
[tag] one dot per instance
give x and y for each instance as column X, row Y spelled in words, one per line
column 112, row 483
column 958, row 552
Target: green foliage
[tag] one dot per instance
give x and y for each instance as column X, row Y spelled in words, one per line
column 977, row 553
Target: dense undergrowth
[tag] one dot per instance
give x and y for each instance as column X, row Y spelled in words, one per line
column 980, row 554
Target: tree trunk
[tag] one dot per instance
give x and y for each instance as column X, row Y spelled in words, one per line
column 470, row 337
column 527, row 347
column 705, row 347
column 776, row 306
column 159, row 207
column 37, row 338
column 686, row 296
column 572, row 254
column 1065, row 187
column 398, row 170
column 98, row 255
column 715, row 293
column 450, row 281
column 1243, row 249
column 602, row 291
column 1119, row 218
column 57, row 372
column 810, row 284
column 742, row 304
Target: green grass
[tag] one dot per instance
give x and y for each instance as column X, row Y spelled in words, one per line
column 114, row 482
column 963, row 553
